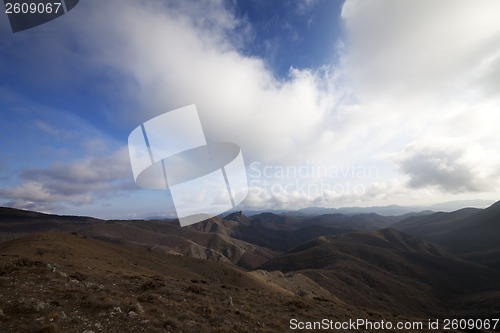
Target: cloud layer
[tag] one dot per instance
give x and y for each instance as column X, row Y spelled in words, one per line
column 453, row 166
column 75, row 183
column 175, row 56
column 416, row 94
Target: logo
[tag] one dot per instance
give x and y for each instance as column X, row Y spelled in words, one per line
column 170, row 152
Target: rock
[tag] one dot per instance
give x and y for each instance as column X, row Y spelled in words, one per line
column 140, row 309
column 39, row 306
column 278, row 274
column 228, row 300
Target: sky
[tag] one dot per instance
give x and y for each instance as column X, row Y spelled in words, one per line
column 333, row 103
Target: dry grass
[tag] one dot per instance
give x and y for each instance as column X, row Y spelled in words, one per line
column 100, row 287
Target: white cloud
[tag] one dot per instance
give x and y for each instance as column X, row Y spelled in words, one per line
column 415, row 65
column 177, row 56
column 419, row 47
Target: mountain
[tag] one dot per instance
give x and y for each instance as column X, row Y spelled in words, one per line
column 330, row 265
column 432, row 227
column 394, row 210
column 469, row 232
column 61, row 282
column 200, row 241
column 15, row 223
column 207, row 240
column 391, row 210
column 282, row 232
column 384, row 269
column 450, row 206
column 244, row 241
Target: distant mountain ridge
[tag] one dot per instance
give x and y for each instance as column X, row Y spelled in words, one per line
column 396, row 210
column 241, row 240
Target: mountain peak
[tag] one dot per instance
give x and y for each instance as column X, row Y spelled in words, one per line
column 237, row 217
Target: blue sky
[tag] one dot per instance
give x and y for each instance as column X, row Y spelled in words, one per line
column 376, row 102
column 292, row 34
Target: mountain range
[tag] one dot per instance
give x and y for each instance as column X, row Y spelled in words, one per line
column 390, row 210
column 67, row 273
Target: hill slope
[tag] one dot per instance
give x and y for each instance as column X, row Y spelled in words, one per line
column 55, row 282
column 385, row 269
column 246, row 242
column 471, row 233
column 15, row 223
column 169, row 237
